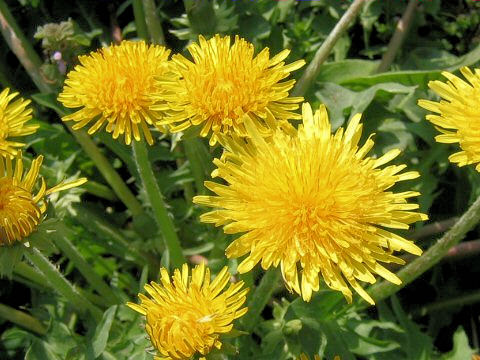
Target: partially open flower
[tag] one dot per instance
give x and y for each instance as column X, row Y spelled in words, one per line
column 224, row 84
column 187, row 315
column 21, row 207
column 456, row 115
column 314, row 203
column 113, row 86
column 14, row 115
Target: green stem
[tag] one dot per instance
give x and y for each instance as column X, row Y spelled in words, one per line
column 60, row 237
column 260, row 297
column 313, row 69
column 22, row 319
column 153, row 22
column 22, row 48
column 149, row 181
column 140, row 22
column 100, row 190
column 432, row 256
column 29, row 276
column 108, row 172
column 194, row 158
column 61, row 284
column 457, row 302
column 180, row 161
column 437, row 227
column 201, row 16
column 398, row 37
column 155, row 197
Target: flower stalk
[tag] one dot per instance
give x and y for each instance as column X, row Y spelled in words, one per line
column 108, row 172
column 313, row 69
column 22, row 319
column 260, row 297
column 60, row 236
column 157, row 203
column 154, row 25
column 398, row 37
column 61, row 284
column 192, row 153
column 147, row 176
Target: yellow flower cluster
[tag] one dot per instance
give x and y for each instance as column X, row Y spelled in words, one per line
column 302, row 198
column 21, row 207
column 133, row 85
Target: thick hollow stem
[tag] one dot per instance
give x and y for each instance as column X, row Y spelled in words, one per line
column 432, row 256
column 260, row 297
column 154, row 25
column 193, row 155
column 108, row 172
column 140, row 22
column 201, row 16
column 26, row 274
column 22, row 319
column 313, row 69
column 444, row 304
column 61, row 284
column 155, row 197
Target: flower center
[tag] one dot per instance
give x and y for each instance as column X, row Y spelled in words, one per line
column 183, row 318
column 19, row 214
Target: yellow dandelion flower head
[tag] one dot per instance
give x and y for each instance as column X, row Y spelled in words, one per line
column 457, row 114
column 225, row 83
column 113, row 86
column 188, row 315
column 22, row 198
column 14, row 115
column 313, row 202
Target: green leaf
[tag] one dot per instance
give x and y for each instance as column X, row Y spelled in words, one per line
column 100, row 338
column 50, row 101
column 41, row 350
column 342, row 102
column 414, row 343
column 346, row 70
column 10, row 256
column 461, row 348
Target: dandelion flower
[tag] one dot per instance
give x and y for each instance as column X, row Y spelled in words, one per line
column 312, row 202
column 13, row 116
column 186, row 315
column 225, row 84
column 21, row 207
column 457, row 114
column 113, row 86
